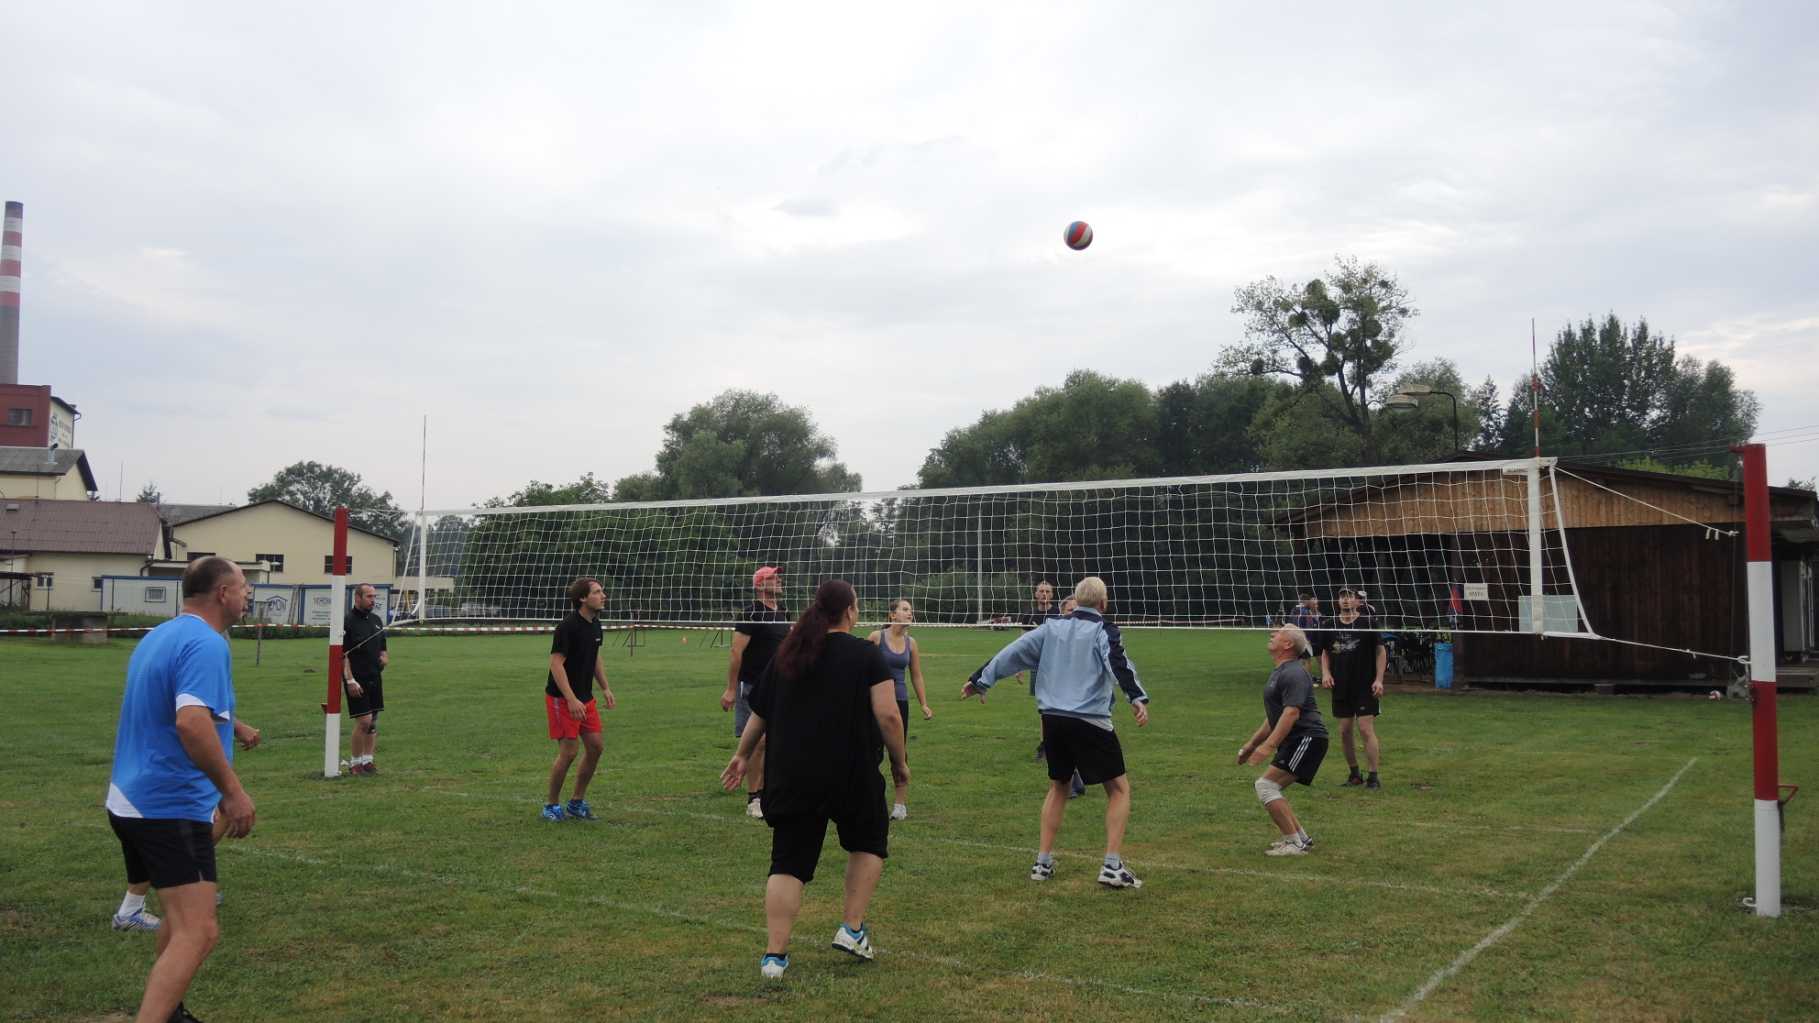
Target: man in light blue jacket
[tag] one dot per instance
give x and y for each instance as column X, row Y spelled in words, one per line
column 1081, row 658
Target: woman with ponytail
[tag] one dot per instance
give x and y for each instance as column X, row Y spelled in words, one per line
column 828, row 706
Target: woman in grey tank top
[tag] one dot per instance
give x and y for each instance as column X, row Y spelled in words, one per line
column 905, row 664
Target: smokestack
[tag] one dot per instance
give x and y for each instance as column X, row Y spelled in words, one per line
column 9, row 293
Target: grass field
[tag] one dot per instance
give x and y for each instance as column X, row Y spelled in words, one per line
column 1592, row 850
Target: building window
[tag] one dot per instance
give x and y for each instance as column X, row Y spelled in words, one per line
column 18, row 417
column 328, row 564
column 276, row 561
column 154, row 594
column 97, row 582
column 44, row 580
column 193, row 555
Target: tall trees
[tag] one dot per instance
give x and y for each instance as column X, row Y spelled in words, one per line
column 741, row 444
column 320, row 488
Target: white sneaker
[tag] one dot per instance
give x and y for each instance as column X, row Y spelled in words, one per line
column 1042, row 871
column 754, row 809
column 1119, row 878
column 899, row 812
column 859, row 945
column 772, row 966
column 137, row 920
column 1287, row 847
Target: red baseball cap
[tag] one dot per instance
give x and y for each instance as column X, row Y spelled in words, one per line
column 764, row 573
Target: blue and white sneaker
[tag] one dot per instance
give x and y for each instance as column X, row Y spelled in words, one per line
column 773, row 965
column 579, row 810
column 854, row 943
column 1118, row 877
column 1042, row 871
column 137, row 920
column 552, row 812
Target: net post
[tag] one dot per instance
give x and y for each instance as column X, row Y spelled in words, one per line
column 1537, row 590
column 423, row 563
column 979, row 574
column 331, row 709
column 1760, row 582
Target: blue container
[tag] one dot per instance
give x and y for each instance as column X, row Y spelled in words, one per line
column 1443, row 666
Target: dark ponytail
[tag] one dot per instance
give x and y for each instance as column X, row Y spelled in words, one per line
column 802, row 647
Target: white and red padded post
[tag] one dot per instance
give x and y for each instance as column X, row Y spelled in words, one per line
column 331, row 710
column 1760, row 581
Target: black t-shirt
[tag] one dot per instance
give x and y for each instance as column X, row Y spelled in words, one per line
column 765, row 629
column 824, row 746
column 1291, row 686
column 363, row 638
column 1036, row 615
column 578, row 641
column 1352, row 649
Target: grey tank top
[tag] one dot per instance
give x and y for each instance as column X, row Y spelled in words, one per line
column 898, row 663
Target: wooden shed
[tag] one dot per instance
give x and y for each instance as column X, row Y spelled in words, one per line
column 1450, row 551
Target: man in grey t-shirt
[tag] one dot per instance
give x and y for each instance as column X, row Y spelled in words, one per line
column 1291, row 740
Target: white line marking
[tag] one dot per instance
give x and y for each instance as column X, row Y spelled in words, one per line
column 1465, row 958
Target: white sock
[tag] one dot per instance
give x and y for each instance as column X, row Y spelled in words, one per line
column 363, row 759
column 131, row 904
column 1301, row 836
column 901, row 808
column 1114, row 862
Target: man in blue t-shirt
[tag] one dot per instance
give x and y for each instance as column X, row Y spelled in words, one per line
column 173, row 767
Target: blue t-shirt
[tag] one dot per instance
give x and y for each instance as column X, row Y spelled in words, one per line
column 183, row 662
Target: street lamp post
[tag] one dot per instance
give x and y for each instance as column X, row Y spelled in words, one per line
column 1410, row 397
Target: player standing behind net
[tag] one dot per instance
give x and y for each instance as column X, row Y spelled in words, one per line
column 761, row 630
column 568, row 698
column 1292, row 738
column 903, row 658
column 1352, row 661
column 362, row 677
column 828, row 698
column 1082, row 657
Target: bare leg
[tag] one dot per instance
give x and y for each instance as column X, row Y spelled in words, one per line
column 1054, row 806
column 782, row 901
column 1368, row 725
column 188, row 935
column 1346, row 742
column 1279, row 810
column 565, row 755
column 862, row 873
column 1117, row 812
column 592, row 746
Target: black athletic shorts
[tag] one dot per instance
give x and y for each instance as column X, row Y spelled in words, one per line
column 903, row 711
column 167, row 852
column 370, row 701
column 1354, row 699
column 1301, row 757
column 1074, row 745
column 862, row 823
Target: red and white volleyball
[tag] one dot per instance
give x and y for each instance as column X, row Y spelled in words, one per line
column 1079, row 235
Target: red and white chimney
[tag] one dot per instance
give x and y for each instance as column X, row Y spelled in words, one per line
column 10, row 249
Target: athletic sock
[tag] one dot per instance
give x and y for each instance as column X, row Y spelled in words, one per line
column 131, row 904
column 1114, row 862
column 1355, row 773
column 1373, row 775
column 1301, row 836
column 1047, row 859
column 752, row 797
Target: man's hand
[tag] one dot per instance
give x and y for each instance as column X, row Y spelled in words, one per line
column 1326, row 680
column 237, row 811
column 900, row 773
column 353, row 688
column 969, row 690
column 385, row 658
column 607, row 695
column 1377, row 688
column 1244, row 754
column 734, row 773
column 1261, row 755
column 247, row 734
column 577, row 709
column 727, row 699
column 1142, row 713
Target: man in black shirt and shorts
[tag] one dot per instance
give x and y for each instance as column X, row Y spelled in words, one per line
column 1292, row 738
column 1352, row 660
column 363, row 637
column 761, row 630
column 568, row 699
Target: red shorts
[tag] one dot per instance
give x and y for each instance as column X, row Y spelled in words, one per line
column 561, row 726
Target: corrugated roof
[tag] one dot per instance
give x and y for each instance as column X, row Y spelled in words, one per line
column 42, row 462
column 29, row 525
column 178, row 514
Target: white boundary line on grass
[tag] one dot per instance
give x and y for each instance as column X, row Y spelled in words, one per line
column 649, row 909
column 740, row 819
column 1465, row 958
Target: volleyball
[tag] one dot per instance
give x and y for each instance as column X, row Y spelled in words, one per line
column 1079, row 235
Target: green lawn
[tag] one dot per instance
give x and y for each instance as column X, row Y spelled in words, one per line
column 432, row 891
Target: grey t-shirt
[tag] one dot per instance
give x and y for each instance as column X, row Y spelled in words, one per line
column 1291, row 686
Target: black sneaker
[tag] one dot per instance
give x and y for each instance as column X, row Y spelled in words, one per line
column 182, row 1015
column 1372, row 783
column 1356, row 779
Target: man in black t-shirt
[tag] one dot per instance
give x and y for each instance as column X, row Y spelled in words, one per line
column 568, row 698
column 1291, row 740
column 363, row 639
column 1352, row 660
column 761, row 629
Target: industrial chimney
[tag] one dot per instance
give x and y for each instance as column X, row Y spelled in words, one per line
column 9, row 293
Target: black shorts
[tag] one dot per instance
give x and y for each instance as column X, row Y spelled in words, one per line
column 862, row 823
column 1074, row 745
column 370, row 701
column 167, row 852
column 1301, row 757
column 903, row 711
column 1354, row 699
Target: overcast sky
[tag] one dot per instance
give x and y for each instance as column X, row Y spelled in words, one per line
column 254, row 237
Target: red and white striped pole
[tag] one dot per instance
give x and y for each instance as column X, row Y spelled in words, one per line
column 12, row 246
column 1762, row 677
column 337, row 614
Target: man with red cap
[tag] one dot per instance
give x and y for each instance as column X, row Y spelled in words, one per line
column 760, row 631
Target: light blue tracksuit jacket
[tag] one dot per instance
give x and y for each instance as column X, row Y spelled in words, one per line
column 1081, row 658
